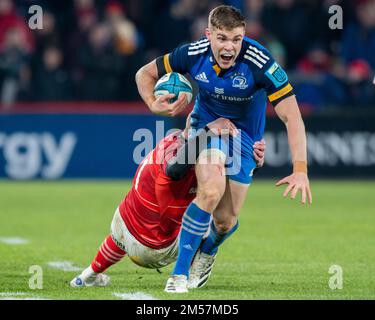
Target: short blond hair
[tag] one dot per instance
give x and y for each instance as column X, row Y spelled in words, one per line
column 226, row 17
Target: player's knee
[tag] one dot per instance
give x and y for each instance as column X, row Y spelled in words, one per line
column 224, row 226
column 209, row 197
column 210, row 174
column 213, row 157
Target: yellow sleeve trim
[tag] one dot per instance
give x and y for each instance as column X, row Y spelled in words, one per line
column 166, row 64
column 280, row 93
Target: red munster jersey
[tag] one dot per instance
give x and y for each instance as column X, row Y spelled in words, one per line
column 153, row 209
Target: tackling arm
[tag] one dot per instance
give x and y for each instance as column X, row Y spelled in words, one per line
column 187, row 155
column 185, row 158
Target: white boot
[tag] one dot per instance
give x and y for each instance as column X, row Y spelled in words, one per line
column 200, row 269
column 89, row 278
column 177, row 284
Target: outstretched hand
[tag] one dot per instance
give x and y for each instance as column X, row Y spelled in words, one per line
column 297, row 181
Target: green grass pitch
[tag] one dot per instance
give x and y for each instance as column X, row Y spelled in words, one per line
column 282, row 250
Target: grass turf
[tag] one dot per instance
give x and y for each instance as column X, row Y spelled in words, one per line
column 282, row 250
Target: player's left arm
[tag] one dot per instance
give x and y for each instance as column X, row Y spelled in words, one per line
column 288, row 111
column 272, row 78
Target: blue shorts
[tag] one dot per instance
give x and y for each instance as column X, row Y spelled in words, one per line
column 238, row 150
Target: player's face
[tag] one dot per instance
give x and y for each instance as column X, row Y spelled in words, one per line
column 225, row 44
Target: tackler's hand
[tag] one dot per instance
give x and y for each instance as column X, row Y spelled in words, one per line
column 222, row 126
column 259, row 149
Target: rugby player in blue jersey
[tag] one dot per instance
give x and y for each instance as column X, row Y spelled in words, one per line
column 235, row 76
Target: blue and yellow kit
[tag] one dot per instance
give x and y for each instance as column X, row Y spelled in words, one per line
column 238, row 93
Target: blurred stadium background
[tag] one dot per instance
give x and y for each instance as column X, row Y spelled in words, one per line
column 71, row 84
column 70, row 108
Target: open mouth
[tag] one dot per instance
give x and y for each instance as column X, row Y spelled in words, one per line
column 226, row 57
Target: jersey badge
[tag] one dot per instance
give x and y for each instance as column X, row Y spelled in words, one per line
column 277, row 75
column 240, row 82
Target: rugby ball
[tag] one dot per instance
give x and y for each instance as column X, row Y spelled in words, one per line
column 173, row 83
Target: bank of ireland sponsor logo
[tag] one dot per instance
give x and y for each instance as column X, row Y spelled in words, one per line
column 219, row 90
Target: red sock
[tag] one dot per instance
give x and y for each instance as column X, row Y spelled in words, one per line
column 109, row 253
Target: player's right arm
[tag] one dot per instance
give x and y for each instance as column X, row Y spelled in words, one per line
column 179, row 60
column 146, row 78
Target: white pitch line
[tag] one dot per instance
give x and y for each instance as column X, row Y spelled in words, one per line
column 18, row 296
column 64, row 266
column 134, row 296
column 7, row 294
column 26, row 298
column 13, row 240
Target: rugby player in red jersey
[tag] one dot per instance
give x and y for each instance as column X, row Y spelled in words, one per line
column 147, row 223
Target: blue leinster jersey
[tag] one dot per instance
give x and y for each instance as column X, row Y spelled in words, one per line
column 238, row 93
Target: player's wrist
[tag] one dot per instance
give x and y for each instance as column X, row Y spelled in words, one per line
column 150, row 102
column 300, row 167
